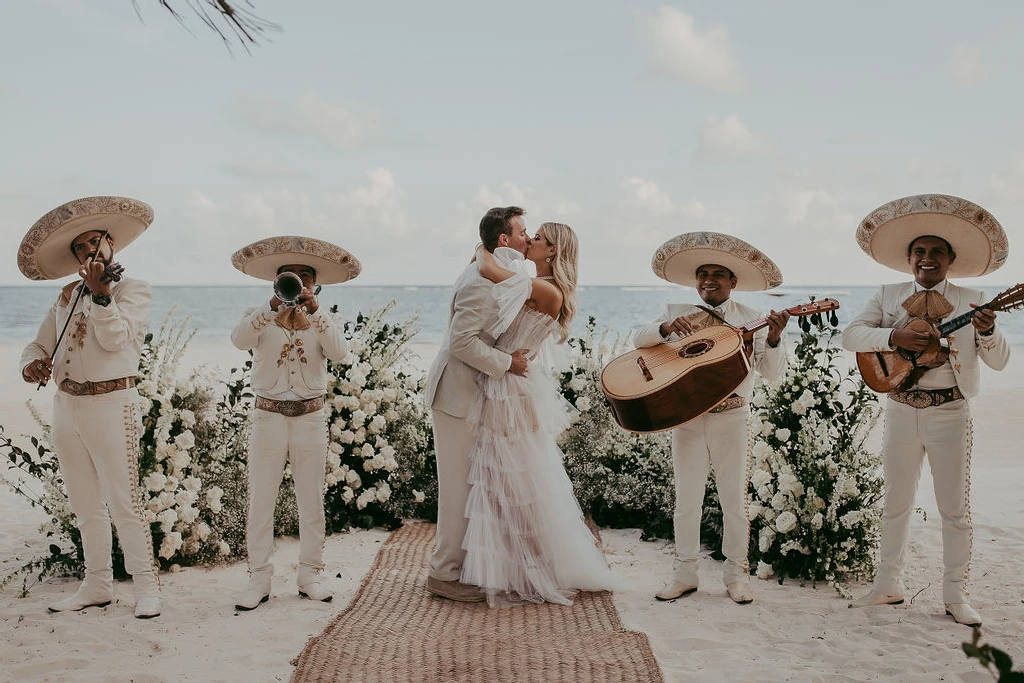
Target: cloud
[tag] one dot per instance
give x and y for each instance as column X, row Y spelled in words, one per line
column 704, row 58
column 261, row 168
column 509, row 194
column 966, row 66
column 797, row 204
column 647, row 194
column 1007, row 186
column 377, row 205
column 311, row 116
column 727, row 139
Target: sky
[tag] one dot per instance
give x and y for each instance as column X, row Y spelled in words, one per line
column 390, row 128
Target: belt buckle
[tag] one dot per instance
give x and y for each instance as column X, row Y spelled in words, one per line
column 919, row 398
column 291, row 408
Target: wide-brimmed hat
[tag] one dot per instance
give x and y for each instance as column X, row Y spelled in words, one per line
column 45, row 251
column 975, row 235
column 678, row 260
column 262, row 259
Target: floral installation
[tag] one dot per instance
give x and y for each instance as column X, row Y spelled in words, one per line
column 814, row 486
column 621, row 479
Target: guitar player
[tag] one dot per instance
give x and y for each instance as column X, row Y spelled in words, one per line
column 932, row 237
column 715, row 264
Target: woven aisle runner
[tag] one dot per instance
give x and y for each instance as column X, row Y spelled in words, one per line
column 395, row 631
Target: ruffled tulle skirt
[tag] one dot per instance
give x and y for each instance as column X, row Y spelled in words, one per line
column 526, row 540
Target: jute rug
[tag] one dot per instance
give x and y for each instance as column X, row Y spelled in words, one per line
column 395, row 631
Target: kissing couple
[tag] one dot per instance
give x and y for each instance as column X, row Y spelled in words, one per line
column 509, row 529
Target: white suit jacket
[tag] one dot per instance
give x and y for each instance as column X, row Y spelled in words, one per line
column 768, row 361
column 467, row 349
column 113, row 334
column 870, row 331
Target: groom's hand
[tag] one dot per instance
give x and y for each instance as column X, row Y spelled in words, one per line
column 519, row 362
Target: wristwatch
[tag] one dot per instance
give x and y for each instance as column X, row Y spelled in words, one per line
column 101, row 299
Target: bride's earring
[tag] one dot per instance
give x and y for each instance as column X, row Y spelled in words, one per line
column 548, row 259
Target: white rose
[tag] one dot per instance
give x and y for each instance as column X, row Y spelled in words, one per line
column 170, row 544
column 383, row 492
column 155, row 481
column 377, row 424
column 347, row 436
column 203, row 531
column 335, row 450
column 353, row 480
column 185, row 440
column 760, row 478
column 764, row 571
column 223, row 548
column 367, row 451
column 816, row 521
column 764, row 539
column 418, row 496
column 767, row 428
column 577, row 383
column 192, row 484
column 583, row 404
column 779, row 501
column 391, row 415
column 357, row 379
column 390, row 465
column 785, row 522
column 386, row 451
column 387, row 376
column 783, row 434
column 146, row 387
column 358, row 418
column 167, row 518
column 347, row 495
column 187, row 417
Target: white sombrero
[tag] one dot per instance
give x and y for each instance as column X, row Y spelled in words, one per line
column 678, row 260
column 975, row 235
column 262, row 259
column 45, row 251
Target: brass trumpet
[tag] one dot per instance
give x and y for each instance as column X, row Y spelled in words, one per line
column 288, row 288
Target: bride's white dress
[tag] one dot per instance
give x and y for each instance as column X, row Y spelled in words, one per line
column 526, row 540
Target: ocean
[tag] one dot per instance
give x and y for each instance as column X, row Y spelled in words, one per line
column 618, row 309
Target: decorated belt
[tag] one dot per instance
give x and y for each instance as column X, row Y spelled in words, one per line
column 105, row 386
column 734, row 401
column 290, row 408
column 926, row 398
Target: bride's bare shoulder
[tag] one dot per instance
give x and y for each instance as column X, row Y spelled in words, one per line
column 546, row 297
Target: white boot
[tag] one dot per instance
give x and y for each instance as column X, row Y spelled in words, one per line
column 310, row 585
column 257, row 592
column 963, row 613
column 96, row 591
column 147, row 595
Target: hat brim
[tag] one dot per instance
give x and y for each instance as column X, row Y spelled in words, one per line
column 261, row 259
column 976, row 236
column 45, row 251
column 678, row 259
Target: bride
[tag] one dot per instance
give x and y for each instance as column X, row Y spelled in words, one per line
column 526, row 540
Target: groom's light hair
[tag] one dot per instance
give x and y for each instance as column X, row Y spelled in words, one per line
column 497, row 222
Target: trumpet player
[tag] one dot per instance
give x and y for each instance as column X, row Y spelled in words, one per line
column 291, row 338
column 89, row 344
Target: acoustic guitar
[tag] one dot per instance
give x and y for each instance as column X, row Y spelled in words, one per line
column 898, row 369
column 664, row 386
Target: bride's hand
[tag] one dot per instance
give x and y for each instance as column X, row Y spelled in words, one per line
column 478, row 253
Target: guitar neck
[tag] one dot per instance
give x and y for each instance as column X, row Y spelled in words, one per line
column 959, row 321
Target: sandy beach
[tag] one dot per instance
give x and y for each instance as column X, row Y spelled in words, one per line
column 791, row 631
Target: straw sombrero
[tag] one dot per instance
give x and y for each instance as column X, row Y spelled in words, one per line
column 678, row 260
column 262, row 259
column 975, row 235
column 45, row 251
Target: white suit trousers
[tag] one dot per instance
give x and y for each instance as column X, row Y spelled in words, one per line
column 721, row 440
column 274, row 440
column 96, row 439
column 944, row 433
column 453, row 440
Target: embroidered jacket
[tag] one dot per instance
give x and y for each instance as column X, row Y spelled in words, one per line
column 870, row 331
column 101, row 342
column 290, row 360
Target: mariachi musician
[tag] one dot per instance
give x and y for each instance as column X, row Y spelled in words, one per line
column 291, row 338
column 932, row 237
column 715, row 264
column 89, row 344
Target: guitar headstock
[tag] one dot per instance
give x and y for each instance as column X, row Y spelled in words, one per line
column 1008, row 299
column 813, row 312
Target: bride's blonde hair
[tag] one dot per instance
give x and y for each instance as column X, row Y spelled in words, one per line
column 563, row 267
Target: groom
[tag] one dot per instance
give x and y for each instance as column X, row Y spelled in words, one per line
column 466, row 351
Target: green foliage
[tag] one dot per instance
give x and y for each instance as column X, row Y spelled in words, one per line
column 995, row 661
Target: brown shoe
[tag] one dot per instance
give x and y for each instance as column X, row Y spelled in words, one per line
column 454, row 590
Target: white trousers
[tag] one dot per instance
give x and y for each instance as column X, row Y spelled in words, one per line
column 721, row 440
column 944, row 434
column 96, row 439
column 453, row 440
column 275, row 440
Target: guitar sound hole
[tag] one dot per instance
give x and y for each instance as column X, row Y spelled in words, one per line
column 697, row 348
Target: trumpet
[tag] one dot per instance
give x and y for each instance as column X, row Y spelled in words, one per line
column 288, row 288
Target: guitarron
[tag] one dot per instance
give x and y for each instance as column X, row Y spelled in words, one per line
column 886, row 371
column 664, row 386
